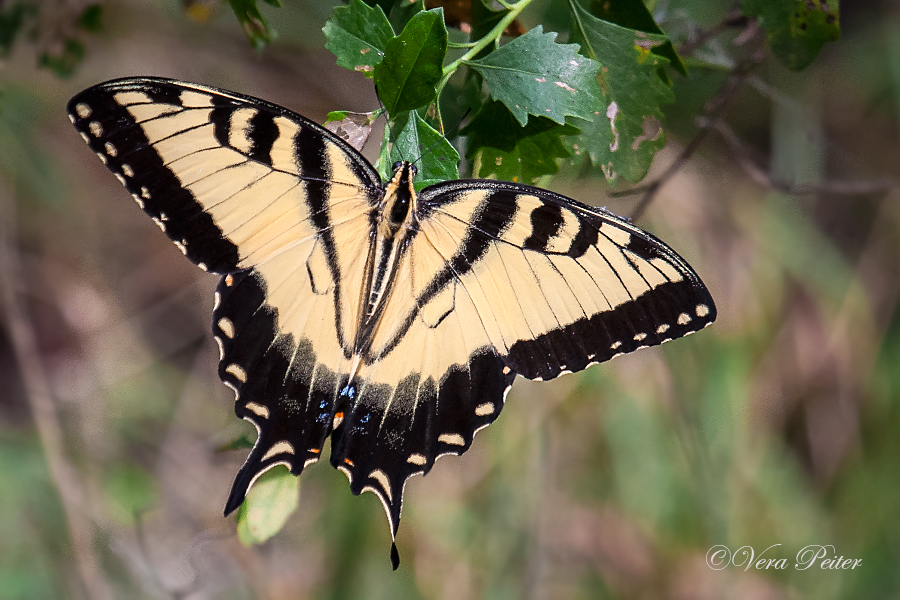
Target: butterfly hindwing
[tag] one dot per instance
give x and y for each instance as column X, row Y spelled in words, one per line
column 285, row 351
column 423, row 392
column 289, row 407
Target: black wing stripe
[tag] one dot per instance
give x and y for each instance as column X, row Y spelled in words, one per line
column 492, row 218
column 220, row 117
column 614, row 330
column 312, row 160
column 494, row 215
column 584, row 239
column 164, row 94
column 262, row 132
column 545, row 224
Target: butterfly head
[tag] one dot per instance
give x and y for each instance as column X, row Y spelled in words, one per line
column 404, row 174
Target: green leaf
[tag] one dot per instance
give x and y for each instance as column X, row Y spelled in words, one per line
column 499, row 147
column 403, row 11
column 413, row 63
column 625, row 137
column 91, row 18
column 253, row 22
column 336, row 115
column 11, row 21
column 435, row 157
column 64, row 63
column 398, row 12
column 358, row 35
column 797, row 29
column 385, row 5
column 484, row 18
column 269, row 503
column 533, row 75
column 463, row 94
column 634, row 14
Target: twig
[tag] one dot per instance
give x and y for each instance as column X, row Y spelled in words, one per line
column 743, row 156
column 143, row 548
column 734, row 18
column 195, row 584
column 712, row 111
column 40, row 399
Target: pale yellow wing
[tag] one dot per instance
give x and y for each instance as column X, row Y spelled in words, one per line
column 232, row 180
column 279, row 206
column 558, row 285
column 496, row 280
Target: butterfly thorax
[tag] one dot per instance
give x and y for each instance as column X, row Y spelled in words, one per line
column 399, row 196
column 393, row 221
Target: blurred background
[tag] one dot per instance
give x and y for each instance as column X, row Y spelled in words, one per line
column 777, row 426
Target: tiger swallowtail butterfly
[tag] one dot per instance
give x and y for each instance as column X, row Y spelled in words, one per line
column 391, row 320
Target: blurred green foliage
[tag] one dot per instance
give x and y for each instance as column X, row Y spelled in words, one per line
column 255, row 26
column 778, row 425
column 32, row 526
column 57, row 29
column 797, row 29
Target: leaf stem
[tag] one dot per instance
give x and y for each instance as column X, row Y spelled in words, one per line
column 580, row 28
column 492, row 36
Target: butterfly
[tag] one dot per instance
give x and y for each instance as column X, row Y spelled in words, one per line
column 393, row 321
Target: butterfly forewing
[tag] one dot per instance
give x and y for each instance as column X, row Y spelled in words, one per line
column 231, row 180
column 559, row 285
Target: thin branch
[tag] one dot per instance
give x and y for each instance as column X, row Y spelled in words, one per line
column 491, row 37
column 713, row 110
column 152, row 571
column 734, row 18
column 40, row 398
column 743, row 155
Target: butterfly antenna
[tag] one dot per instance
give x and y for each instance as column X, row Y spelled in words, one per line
column 452, row 130
column 387, row 124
